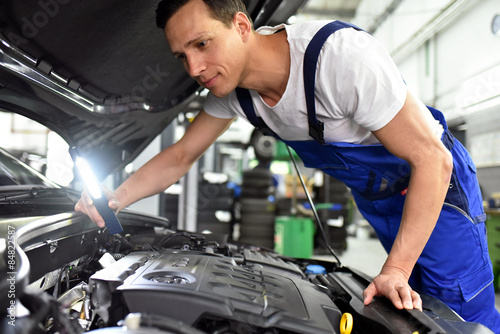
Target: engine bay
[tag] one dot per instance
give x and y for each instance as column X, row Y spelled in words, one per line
column 156, row 280
column 199, row 280
column 214, row 292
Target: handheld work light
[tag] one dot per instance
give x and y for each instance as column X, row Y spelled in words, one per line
column 95, row 192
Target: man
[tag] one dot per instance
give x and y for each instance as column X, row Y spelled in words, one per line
column 376, row 134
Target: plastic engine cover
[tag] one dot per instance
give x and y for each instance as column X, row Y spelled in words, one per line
column 187, row 286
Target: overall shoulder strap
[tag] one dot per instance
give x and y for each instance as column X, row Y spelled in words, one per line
column 245, row 100
column 316, row 127
column 246, row 104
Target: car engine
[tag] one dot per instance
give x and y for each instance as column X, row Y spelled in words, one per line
column 174, row 281
column 215, row 293
column 155, row 280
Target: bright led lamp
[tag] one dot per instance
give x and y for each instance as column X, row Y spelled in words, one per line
column 95, row 192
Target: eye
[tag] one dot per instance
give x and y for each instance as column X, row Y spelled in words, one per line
column 202, row 44
column 180, row 56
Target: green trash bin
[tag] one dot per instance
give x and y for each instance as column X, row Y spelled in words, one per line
column 493, row 230
column 294, row 236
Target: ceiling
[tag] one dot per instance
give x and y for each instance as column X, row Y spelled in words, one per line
column 343, row 10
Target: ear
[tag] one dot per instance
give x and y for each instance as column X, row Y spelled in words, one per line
column 242, row 25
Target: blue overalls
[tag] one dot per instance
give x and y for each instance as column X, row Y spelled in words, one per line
column 454, row 265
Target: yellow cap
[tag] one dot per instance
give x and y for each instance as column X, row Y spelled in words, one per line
column 346, row 323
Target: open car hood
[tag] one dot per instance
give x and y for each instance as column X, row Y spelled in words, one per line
column 99, row 73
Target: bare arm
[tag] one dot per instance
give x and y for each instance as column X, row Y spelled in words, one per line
column 165, row 168
column 409, row 137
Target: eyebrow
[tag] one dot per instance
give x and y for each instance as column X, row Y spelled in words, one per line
column 190, row 42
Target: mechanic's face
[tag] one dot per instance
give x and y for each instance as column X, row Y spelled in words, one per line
column 211, row 52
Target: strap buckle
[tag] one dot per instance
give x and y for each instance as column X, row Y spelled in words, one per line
column 317, row 131
column 266, row 131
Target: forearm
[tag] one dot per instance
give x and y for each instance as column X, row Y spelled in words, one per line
column 171, row 164
column 410, row 135
column 426, row 192
column 154, row 177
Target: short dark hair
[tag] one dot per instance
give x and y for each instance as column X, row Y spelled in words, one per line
column 222, row 10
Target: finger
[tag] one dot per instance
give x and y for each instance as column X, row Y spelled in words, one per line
column 369, row 293
column 81, row 206
column 404, row 292
column 88, row 200
column 113, row 204
column 417, row 301
column 394, row 297
column 78, row 206
column 87, row 204
column 96, row 217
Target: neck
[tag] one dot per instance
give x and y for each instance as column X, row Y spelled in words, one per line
column 268, row 66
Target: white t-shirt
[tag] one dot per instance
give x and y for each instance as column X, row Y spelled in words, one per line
column 358, row 88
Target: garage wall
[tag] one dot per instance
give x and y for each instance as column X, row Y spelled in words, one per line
column 483, row 134
column 401, row 22
column 459, row 48
column 456, row 69
column 20, row 133
column 468, row 60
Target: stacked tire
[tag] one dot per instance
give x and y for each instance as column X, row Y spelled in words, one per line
column 337, row 193
column 257, row 208
column 171, row 208
column 215, row 208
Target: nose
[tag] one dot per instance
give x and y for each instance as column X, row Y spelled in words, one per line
column 195, row 65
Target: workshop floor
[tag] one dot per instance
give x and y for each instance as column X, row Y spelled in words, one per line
column 368, row 256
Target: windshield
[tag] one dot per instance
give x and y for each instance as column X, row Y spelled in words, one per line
column 14, row 172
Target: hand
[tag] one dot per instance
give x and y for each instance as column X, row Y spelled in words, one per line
column 393, row 284
column 86, row 205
